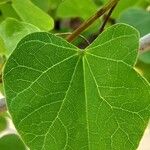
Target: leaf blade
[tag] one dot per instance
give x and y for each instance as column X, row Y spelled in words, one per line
column 95, row 106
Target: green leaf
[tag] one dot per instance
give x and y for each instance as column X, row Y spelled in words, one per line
column 68, row 98
column 47, row 5
column 123, row 5
column 7, row 11
column 30, row 13
column 44, row 4
column 3, row 123
column 144, row 69
column 11, row 142
column 138, row 18
column 2, row 63
column 76, row 8
column 3, row 2
column 12, row 31
column 2, row 47
column 54, row 3
column 145, row 57
column 143, row 3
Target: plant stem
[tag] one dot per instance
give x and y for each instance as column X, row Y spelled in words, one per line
column 107, row 18
column 91, row 20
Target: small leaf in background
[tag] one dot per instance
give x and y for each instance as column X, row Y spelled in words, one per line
column 68, row 98
column 2, row 62
column 145, row 57
column 11, row 142
column 12, row 30
column 3, row 123
column 47, row 5
column 30, row 13
column 7, row 10
column 3, row 1
column 144, row 68
column 99, row 2
column 55, row 3
column 143, row 64
column 138, row 18
column 2, row 47
column 122, row 5
column 143, row 3
column 1, row 88
column 76, row 8
column 43, row 4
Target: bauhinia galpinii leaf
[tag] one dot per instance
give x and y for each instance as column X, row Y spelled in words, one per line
column 63, row 98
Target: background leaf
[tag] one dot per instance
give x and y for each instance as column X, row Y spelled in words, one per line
column 122, row 5
column 47, row 5
column 2, row 47
column 138, row 18
column 11, row 142
column 30, row 13
column 12, row 31
column 76, row 8
column 145, row 57
column 144, row 69
column 3, row 123
column 7, row 10
column 44, row 4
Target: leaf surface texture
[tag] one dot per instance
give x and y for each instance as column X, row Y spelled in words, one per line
column 64, row 98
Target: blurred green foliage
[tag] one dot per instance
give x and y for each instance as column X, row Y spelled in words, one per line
column 3, row 123
column 12, row 30
column 11, row 142
column 138, row 18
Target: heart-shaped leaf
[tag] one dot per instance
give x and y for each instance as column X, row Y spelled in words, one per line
column 64, row 98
